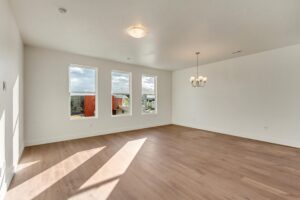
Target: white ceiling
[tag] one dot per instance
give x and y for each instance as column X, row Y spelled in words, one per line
column 176, row 28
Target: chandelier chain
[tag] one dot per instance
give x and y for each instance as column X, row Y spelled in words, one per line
column 197, row 64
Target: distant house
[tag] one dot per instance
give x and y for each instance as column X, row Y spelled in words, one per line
column 83, row 106
column 148, row 102
column 120, row 103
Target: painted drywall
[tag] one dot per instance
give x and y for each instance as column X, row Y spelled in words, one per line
column 11, row 99
column 47, row 98
column 255, row 96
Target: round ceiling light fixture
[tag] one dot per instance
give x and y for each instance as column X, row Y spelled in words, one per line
column 136, row 31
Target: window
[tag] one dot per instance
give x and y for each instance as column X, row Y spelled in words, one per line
column 149, row 96
column 82, row 88
column 121, row 93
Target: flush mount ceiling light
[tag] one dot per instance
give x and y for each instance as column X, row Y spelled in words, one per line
column 136, row 31
column 198, row 81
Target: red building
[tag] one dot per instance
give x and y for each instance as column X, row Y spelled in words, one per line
column 89, row 106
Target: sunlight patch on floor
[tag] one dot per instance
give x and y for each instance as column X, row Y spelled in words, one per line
column 22, row 166
column 41, row 182
column 106, row 178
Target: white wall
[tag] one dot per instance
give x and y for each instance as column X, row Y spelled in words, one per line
column 255, row 96
column 47, row 98
column 11, row 100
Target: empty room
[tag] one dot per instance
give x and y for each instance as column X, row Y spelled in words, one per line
column 150, row 99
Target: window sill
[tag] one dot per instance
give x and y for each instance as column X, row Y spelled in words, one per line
column 82, row 118
column 124, row 115
column 155, row 113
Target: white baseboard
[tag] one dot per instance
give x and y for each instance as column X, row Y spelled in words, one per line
column 288, row 143
column 216, row 130
column 78, row 136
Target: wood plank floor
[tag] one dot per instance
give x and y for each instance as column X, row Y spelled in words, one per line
column 167, row 162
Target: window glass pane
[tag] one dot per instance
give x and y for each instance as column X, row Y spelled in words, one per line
column 149, row 98
column 82, row 80
column 120, row 84
column 83, row 106
column 82, row 92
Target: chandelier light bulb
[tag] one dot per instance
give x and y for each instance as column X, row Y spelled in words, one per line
column 192, row 79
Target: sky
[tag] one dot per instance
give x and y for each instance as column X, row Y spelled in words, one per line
column 82, row 80
column 148, row 84
column 120, row 82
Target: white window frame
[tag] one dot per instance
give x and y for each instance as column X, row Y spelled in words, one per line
column 155, row 91
column 130, row 93
column 78, row 94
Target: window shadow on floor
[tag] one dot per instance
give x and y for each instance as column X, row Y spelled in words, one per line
column 66, row 169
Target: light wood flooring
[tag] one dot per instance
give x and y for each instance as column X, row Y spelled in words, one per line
column 167, row 162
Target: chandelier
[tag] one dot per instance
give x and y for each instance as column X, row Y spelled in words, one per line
column 198, row 81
